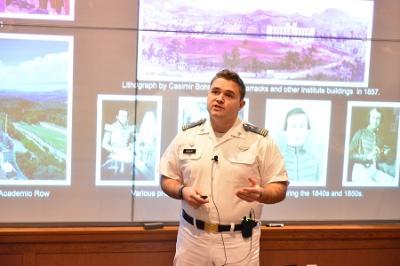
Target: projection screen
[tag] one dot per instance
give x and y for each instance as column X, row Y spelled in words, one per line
column 92, row 92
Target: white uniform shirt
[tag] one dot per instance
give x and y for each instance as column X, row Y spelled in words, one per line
column 241, row 154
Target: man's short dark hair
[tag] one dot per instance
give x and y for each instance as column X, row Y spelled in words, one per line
column 232, row 76
column 296, row 111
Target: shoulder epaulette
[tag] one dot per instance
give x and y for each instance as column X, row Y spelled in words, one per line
column 193, row 124
column 249, row 127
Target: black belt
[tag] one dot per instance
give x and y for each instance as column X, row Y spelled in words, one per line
column 209, row 227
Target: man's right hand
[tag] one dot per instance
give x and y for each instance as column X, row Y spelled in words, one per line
column 193, row 197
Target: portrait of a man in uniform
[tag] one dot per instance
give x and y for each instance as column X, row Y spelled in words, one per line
column 372, row 146
column 303, row 137
column 128, row 141
column 118, row 141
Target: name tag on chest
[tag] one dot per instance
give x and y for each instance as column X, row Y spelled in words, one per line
column 189, row 151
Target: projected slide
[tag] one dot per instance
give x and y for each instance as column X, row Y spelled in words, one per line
column 323, row 43
column 372, row 144
column 85, row 118
column 128, row 140
column 35, row 109
column 38, row 9
column 302, row 134
column 193, row 109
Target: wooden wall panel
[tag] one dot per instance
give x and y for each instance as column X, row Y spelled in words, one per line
column 105, row 259
column 342, row 257
column 11, row 260
column 333, row 245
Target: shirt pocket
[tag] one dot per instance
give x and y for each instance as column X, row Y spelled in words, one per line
column 243, row 165
column 190, row 162
column 244, row 159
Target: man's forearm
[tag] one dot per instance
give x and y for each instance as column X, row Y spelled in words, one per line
column 171, row 187
column 273, row 192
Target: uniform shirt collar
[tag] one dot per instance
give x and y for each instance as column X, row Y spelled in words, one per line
column 236, row 131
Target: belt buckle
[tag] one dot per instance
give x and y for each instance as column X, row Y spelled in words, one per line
column 211, row 228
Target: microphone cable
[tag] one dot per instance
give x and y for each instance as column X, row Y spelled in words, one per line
column 215, row 161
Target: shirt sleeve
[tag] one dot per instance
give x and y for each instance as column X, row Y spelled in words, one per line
column 169, row 162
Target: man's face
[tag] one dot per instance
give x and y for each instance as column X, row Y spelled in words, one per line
column 375, row 119
column 122, row 117
column 223, row 99
column 296, row 130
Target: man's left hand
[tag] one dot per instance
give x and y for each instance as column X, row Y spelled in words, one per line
column 251, row 193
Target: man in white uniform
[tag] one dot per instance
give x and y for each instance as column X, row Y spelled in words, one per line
column 118, row 140
column 223, row 170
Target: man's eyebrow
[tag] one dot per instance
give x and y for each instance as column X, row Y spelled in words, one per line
column 229, row 91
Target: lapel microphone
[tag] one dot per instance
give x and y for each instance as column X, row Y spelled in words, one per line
column 215, row 158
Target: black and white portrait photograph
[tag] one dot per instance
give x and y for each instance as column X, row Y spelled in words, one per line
column 128, row 144
column 302, row 134
column 371, row 157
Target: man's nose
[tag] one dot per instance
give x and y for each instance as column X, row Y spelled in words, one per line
column 220, row 98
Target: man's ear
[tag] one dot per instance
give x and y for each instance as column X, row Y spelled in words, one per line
column 242, row 103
